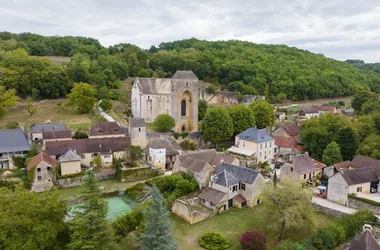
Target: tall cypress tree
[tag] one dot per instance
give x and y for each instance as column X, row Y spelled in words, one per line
column 90, row 228
column 157, row 234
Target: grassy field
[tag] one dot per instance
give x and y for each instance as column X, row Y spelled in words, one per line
column 57, row 60
column 53, row 110
column 232, row 224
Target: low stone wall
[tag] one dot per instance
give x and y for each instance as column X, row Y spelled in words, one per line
column 138, row 173
column 106, row 175
column 362, row 205
column 77, row 181
column 328, row 211
column 185, row 211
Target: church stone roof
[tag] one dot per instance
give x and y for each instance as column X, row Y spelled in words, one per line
column 184, row 74
column 154, row 85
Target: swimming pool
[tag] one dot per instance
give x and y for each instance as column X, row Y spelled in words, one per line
column 116, row 207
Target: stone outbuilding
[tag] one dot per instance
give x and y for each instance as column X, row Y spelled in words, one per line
column 162, row 152
column 43, row 174
column 137, row 132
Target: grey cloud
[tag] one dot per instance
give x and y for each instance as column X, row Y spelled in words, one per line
column 340, row 29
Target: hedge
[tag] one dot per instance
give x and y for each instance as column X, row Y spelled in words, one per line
column 214, row 241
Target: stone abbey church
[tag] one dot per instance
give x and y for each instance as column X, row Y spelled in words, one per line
column 176, row 96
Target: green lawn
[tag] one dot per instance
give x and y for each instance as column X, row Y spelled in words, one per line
column 233, row 224
column 150, row 127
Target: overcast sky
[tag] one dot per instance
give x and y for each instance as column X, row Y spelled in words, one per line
column 337, row 28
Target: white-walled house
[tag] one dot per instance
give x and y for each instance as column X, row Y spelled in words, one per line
column 162, row 152
column 232, row 186
column 13, row 142
column 254, row 143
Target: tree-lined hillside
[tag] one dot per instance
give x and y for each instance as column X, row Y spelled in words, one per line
column 276, row 71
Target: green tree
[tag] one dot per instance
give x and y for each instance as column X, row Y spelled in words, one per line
column 361, row 97
column 288, row 207
column 371, row 146
column 40, row 216
column 264, row 113
column 8, row 99
column 134, row 154
column 315, row 139
column 97, row 161
column 106, row 104
column 157, row 234
column 275, row 180
column 332, row 154
column 82, row 96
column 202, row 108
column 217, row 125
column 90, row 228
column 164, row 123
column 348, row 141
column 242, row 118
column 30, row 107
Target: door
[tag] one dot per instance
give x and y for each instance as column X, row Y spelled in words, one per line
column 230, row 202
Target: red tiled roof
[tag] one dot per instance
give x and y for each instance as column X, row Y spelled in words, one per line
column 240, row 198
column 43, row 156
column 341, row 165
column 281, row 141
column 299, row 148
column 318, row 164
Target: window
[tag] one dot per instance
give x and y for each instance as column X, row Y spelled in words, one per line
column 260, row 154
column 39, row 178
column 38, row 169
column 243, row 143
column 359, row 189
column 203, row 201
column 304, row 176
column 95, row 154
column 48, row 168
column 212, row 204
column 183, row 108
column 291, row 169
column 242, row 186
column 148, row 98
column 265, row 145
column 234, row 188
column 261, row 145
column 139, row 129
column 83, row 156
column 187, row 84
column 172, row 87
column 270, row 144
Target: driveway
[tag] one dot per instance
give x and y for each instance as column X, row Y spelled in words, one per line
column 374, row 196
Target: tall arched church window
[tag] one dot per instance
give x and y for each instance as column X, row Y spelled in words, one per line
column 183, row 108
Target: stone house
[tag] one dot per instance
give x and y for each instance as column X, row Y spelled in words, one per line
column 177, row 96
column 232, row 185
column 44, row 176
column 361, row 161
column 306, row 114
column 137, row 132
column 341, row 184
column 162, row 152
column 37, row 129
column 70, row 162
column 13, row 142
column 254, row 143
column 325, row 110
column 201, row 164
column 302, row 168
column 291, row 130
column 88, row 149
column 55, row 135
column 337, row 167
column 280, row 116
column 107, row 130
column 363, row 241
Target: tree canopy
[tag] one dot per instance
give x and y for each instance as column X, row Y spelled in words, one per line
column 242, row 118
column 332, row 154
column 164, row 123
column 263, row 112
column 82, row 97
column 8, row 99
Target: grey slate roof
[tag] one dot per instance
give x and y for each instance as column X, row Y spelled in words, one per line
column 184, row 74
column 168, row 143
column 358, row 176
column 303, row 164
column 363, row 241
column 56, row 134
column 361, row 161
column 212, row 195
column 229, row 174
column 137, row 122
column 255, row 135
column 38, row 128
column 69, row 155
column 13, row 140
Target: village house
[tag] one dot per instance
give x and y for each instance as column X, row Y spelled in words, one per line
column 355, row 181
column 254, row 143
column 107, row 130
column 137, row 132
column 306, row 114
column 70, row 162
column 361, row 161
column 280, row 116
column 302, row 168
column 13, row 142
column 350, row 113
column 177, row 96
column 162, row 152
column 340, row 166
column 363, row 241
column 287, row 139
column 55, row 135
column 232, row 186
column 201, row 164
column 88, row 149
column 322, row 110
column 37, row 129
column 43, row 174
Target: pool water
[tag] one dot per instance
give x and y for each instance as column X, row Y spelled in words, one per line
column 116, row 208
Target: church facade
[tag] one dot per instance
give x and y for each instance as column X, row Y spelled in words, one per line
column 176, row 96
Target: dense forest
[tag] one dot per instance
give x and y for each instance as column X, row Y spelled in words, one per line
column 276, row 71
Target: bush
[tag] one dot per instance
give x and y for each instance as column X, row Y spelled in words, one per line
column 186, row 145
column 106, row 104
column 214, row 241
column 290, row 245
column 164, row 123
column 253, row 240
column 322, row 240
column 176, row 135
column 134, row 191
column 128, row 223
column 338, row 234
column 12, row 125
column 353, row 223
column 79, row 134
column 18, row 161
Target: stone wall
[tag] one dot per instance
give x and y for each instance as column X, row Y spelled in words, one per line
column 328, row 211
column 362, row 205
column 185, row 211
column 77, row 181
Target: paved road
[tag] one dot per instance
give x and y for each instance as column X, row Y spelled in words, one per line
column 335, row 206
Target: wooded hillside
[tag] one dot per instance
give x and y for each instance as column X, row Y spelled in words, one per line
column 277, row 71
